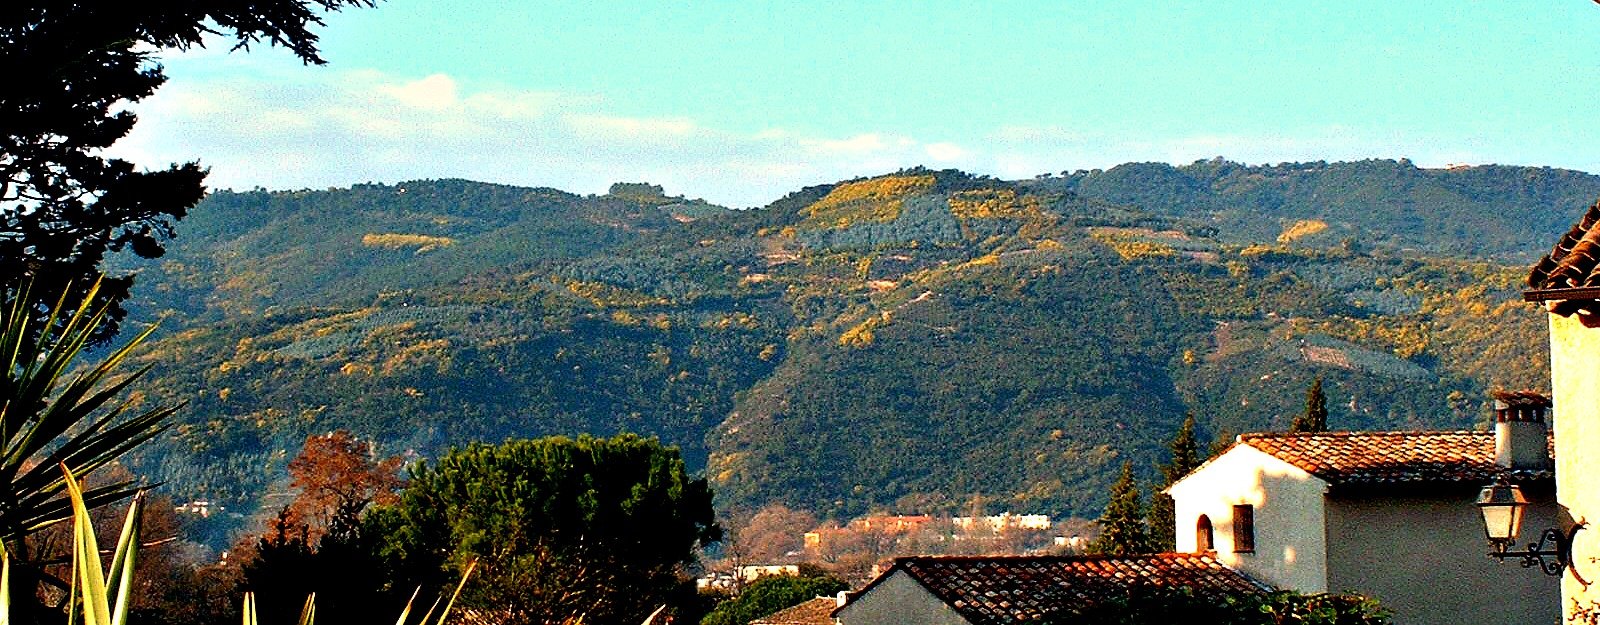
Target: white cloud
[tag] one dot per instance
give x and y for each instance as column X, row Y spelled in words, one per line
column 327, row 128
column 944, row 152
column 868, row 143
column 633, row 127
column 436, row 92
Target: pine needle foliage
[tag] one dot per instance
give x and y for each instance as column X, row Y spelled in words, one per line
column 1315, row 418
column 1186, row 456
column 1123, row 530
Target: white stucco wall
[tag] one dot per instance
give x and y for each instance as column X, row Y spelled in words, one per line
column 1575, row 390
column 898, row 600
column 1291, row 547
column 1425, row 558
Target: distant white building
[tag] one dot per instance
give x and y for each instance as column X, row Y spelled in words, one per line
column 1389, row 515
column 1002, row 521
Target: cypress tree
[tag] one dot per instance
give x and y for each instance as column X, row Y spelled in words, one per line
column 1186, row 456
column 1122, row 526
column 1316, row 417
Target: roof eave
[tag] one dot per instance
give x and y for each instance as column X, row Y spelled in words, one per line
column 1558, row 295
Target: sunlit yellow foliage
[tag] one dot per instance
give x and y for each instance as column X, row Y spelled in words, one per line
column 1237, row 269
column 1256, row 250
column 1131, row 246
column 395, row 241
column 861, row 334
column 877, row 199
column 604, row 295
column 768, row 352
column 1472, row 331
column 621, row 317
column 863, row 267
column 986, row 259
column 1048, row 245
column 356, row 368
column 993, row 204
column 1300, row 229
column 741, row 319
column 420, row 353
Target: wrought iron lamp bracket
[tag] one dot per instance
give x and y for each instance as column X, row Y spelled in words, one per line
column 1551, row 554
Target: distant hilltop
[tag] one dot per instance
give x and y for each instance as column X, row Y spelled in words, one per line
column 908, row 342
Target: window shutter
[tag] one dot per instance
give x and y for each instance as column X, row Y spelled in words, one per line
column 1244, row 528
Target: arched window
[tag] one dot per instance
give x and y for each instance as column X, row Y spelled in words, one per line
column 1203, row 540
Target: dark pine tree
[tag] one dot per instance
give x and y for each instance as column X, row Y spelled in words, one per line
column 1316, row 417
column 1122, row 527
column 1185, row 448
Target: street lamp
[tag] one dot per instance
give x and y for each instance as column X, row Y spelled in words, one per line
column 1503, row 505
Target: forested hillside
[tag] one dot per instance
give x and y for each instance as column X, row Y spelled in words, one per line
column 911, row 342
column 1488, row 211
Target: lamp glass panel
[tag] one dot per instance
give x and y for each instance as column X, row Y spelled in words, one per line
column 1502, row 506
column 1501, row 521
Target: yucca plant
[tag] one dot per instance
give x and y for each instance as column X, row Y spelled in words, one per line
column 308, row 613
column 48, row 421
column 101, row 597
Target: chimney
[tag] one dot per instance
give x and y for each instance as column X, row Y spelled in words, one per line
column 1521, row 438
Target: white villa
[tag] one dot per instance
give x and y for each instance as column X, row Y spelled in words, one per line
column 1389, row 515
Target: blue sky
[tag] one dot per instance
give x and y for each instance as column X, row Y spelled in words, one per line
column 741, row 102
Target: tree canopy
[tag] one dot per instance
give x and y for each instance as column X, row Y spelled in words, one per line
column 771, row 594
column 1185, row 457
column 1123, row 530
column 72, row 68
column 600, row 528
column 1315, row 418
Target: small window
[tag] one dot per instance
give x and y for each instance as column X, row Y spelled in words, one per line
column 1244, row 528
column 1204, row 540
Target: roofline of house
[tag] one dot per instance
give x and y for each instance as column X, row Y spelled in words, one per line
column 1238, row 441
column 1556, row 295
column 1538, row 484
column 900, row 562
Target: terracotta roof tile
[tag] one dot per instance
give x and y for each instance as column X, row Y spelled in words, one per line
column 1390, row 458
column 1571, row 264
column 813, row 612
column 990, row 590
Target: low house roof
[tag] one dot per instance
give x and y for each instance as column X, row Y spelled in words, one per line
column 814, row 612
column 1567, row 276
column 989, row 590
column 1392, row 458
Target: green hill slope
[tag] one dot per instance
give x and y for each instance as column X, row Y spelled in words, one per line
column 1489, row 211
column 909, row 341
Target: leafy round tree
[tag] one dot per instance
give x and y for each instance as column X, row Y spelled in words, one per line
column 597, row 528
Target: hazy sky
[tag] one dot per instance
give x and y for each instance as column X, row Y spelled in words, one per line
column 741, row 102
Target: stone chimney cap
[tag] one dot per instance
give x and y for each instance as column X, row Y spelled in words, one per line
column 1521, row 399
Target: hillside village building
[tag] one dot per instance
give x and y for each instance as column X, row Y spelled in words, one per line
column 1389, row 515
column 1566, row 280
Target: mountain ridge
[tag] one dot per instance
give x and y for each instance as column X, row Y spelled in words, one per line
column 917, row 341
